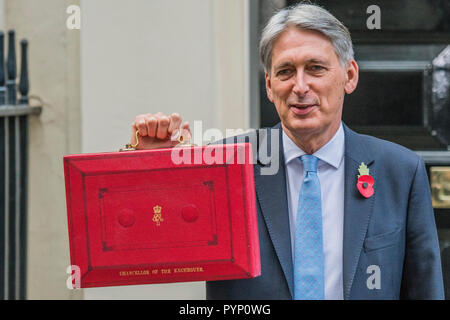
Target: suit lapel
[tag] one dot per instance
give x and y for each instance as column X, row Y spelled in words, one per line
column 357, row 209
column 272, row 196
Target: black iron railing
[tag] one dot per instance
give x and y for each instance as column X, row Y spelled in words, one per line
column 14, row 115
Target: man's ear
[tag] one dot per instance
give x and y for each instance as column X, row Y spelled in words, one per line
column 352, row 76
column 268, row 87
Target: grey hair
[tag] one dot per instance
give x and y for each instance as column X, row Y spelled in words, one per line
column 309, row 17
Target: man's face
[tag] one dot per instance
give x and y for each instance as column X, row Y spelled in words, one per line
column 307, row 83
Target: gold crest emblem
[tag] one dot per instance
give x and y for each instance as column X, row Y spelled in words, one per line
column 157, row 215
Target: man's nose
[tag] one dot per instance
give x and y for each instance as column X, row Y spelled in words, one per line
column 301, row 86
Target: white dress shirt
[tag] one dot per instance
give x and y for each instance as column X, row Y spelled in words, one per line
column 330, row 170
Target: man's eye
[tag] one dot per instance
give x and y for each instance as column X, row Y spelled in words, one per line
column 283, row 72
column 316, row 68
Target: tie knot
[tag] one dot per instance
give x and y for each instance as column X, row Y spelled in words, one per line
column 309, row 163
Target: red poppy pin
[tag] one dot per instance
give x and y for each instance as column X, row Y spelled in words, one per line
column 365, row 181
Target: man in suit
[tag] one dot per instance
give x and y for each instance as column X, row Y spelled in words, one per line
column 324, row 234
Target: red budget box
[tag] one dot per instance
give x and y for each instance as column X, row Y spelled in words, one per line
column 166, row 215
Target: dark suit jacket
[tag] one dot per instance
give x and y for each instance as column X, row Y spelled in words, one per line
column 445, row 254
column 394, row 229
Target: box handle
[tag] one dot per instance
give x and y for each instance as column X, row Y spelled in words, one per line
column 182, row 143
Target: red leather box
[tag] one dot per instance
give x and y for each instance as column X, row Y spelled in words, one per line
column 166, row 215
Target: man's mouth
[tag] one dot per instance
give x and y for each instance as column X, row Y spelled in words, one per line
column 302, row 109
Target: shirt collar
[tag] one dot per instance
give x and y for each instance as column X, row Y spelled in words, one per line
column 332, row 152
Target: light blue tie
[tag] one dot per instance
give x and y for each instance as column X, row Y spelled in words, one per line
column 308, row 250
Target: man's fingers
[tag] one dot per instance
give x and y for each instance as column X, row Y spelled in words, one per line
column 186, row 131
column 186, row 126
column 133, row 133
column 159, row 126
column 152, row 125
column 174, row 123
column 163, row 126
column 141, row 126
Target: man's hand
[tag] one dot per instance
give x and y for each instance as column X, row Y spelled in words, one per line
column 158, row 130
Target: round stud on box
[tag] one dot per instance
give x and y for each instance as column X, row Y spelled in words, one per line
column 189, row 213
column 126, row 218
